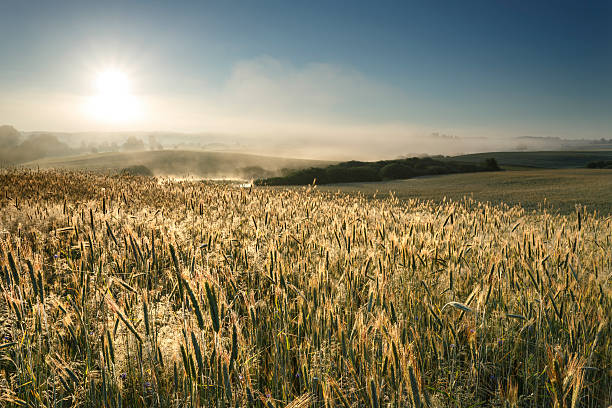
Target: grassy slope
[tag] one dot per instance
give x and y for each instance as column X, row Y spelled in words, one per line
column 562, row 189
column 176, row 162
column 543, row 159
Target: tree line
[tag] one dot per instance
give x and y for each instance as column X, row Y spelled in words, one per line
column 358, row 171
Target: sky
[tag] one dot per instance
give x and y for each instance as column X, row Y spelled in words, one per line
column 329, row 70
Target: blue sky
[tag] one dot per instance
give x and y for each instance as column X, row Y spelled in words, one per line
column 481, row 68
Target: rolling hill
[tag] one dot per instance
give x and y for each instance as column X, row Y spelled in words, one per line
column 560, row 190
column 199, row 164
column 540, row 159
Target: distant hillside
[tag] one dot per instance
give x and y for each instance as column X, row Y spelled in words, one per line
column 183, row 163
column 558, row 190
column 356, row 171
column 542, row 159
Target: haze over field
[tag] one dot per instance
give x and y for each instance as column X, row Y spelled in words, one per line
column 317, row 80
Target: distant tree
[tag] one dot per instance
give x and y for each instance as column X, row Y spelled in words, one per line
column 40, row 145
column 36, row 146
column 9, row 137
column 602, row 164
column 137, row 170
column 133, row 144
column 491, row 164
column 394, row 171
column 154, row 144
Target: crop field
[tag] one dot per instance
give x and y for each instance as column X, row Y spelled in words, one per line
column 123, row 291
column 558, row 190
column 560, row 159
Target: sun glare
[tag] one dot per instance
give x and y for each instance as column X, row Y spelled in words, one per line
column 112, row 82
column 113, row 101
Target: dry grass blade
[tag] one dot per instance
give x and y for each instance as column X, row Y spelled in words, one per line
column 459, row 306
column 302, row 401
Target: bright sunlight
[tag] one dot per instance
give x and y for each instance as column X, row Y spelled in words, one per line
column 113, row 101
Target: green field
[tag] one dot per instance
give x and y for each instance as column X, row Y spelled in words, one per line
column 194, row 163
column 542, row 159
column 559, row 190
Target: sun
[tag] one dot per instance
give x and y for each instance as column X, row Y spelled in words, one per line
column 112, row 82
column 113, row 101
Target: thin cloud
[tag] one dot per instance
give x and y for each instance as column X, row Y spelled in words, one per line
column 315, row 110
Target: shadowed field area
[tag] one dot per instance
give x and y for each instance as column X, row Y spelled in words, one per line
column 562, row 189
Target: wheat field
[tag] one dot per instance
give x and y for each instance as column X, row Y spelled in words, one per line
column 142, row 292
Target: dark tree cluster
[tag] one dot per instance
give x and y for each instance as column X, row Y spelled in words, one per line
column 137, row 170
column 14, row 150
column 602, row 164
column 357, row 171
